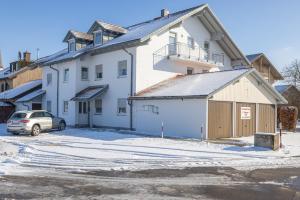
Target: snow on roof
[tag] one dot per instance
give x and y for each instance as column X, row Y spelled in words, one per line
column 5, row 72
column 90, row 93
column 31, row 95
column 135, row 32
column 78, row 35
column 282, row 88
column 15, row 92
column 193, row 85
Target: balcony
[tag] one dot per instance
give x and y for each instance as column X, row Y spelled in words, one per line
column 185, row 54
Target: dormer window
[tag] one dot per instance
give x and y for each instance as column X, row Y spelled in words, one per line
column 97, row 37
column 72, row 45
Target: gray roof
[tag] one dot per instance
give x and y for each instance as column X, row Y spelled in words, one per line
column 139, row 33
column 31, row 95
column 90, row 93
column 253, row 57
column 20, row 90
column 107, row 26
column 78, row 35
column 196, row 85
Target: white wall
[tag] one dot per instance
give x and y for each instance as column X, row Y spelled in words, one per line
column 181, row 118
column 246, row 89
column 167, row 68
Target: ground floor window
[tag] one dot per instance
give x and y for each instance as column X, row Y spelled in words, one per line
column 66, row 106
column 122, row 106
column 98, row 106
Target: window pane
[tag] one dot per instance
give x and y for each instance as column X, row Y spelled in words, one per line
column 98, row 38
column 80, row 107
column 99, row 71
column 84, row 73
column 122, row 68
column 49, row 109
column 66, row 106
column 66, row 75
column 84, row 107
column 122, row 105
column 98, row 105
column 49, row 78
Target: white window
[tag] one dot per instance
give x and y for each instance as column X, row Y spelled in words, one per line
column 83, row 107
column 84, row 73
column 98, row 106
column 72, row 45
column 66, row 106
column 49, row 78
column 206, row 49
column 66, row 75
column 151, row 108
column 122, row 68
column 49, row 106
column 98, row 37
column 99, row 72
column 190, row 42
column 189, row 70
column 122, row 106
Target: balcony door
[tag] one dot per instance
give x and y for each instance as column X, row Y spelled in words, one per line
column 172, row 43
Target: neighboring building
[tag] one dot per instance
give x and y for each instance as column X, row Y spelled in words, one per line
column 262, row 64
column 98, row 79
column 291, row 94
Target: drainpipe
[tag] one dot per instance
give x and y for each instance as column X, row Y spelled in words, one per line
column 57, row 90
column 25, row 106
column 131, row 85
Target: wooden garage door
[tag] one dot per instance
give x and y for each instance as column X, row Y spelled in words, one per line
column 245, row 119
column 219, row 119
column 266, row 118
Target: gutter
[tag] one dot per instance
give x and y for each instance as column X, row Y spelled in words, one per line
column 131, row 86
column 57, row 90
column 25, row 105
column 168, row 97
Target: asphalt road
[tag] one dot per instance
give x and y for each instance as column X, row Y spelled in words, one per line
column 189, row 183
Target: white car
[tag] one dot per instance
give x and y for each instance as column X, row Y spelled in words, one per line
column 34, row 122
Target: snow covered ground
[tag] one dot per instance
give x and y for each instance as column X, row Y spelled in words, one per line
column 85, row 149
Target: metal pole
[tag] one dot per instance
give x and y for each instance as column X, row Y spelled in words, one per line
column 162, row 129
column 280, row 132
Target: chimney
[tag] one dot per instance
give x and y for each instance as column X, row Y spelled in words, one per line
column 26, row 56
column 164, row 12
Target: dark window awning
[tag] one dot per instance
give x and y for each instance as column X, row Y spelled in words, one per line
column 90, row 93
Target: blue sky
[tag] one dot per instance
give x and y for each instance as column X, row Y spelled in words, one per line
column 269, row 26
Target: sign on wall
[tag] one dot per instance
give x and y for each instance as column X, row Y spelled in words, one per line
column 245, row 112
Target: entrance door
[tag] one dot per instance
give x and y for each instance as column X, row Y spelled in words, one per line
column 245, row 119
column 266, row 123
column 83, row 113
column 172, row 44
column 219, row 119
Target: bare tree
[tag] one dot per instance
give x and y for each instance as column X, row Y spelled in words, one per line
column 291, row 73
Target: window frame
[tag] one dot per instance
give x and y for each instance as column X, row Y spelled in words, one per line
column 96, row 73
column 121, row 75
column 119, row 106
column 66, row 70
column 189, row 69
column 48, row 102
column 65, row 109
column 49, row 82
column 81, row 74
column 72, row 41
column 101, row 107
column 101, row 37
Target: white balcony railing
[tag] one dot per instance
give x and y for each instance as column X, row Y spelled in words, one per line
column 192, row 53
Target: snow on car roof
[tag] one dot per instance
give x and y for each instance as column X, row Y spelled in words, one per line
column 201, row 84
column 15, row 92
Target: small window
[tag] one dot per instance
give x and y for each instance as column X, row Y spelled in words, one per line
column 6, row 86
column 66, row 106
column 2, row 87
column 49, row 78
column 122, row 68
column 189, row 70
column 98, row 38
column 72, row 45
column 190, row 42
column 66, row 75
column 84, row 73
column 49, row 106
column 206, row 45
column 206, row 49
column 98, row 106
column 122, row 106
column 99, row 71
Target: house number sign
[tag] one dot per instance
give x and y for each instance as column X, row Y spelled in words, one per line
column 245, row 112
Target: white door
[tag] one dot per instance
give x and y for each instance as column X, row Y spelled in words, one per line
column 83, row 118
column 172, row 44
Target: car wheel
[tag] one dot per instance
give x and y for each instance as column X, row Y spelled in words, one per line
column 35, row 130
column 62, row 126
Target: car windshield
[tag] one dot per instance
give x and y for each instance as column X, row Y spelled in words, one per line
column 18, row 116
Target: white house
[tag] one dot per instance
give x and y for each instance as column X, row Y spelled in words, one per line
column 165, row 70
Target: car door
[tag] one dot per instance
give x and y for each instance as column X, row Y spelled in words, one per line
column 47, row 120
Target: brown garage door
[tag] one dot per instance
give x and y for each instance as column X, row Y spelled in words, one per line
column 266, row 121
column 245, row 119
column 219, row 119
